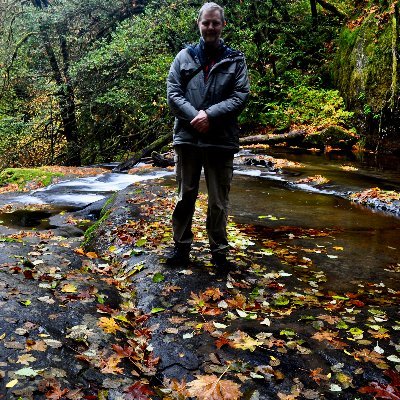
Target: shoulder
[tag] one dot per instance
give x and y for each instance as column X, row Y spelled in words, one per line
column 235, row 55
column 187, row 54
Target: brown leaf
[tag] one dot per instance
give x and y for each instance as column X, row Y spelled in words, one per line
column 325, row 335
column 214, row 293
column 179, row 389
column 110, row 366
column 239, row 301
column 317, row 376
column 371, row 356
column 210, row 387
column 221, row 341
column 329, row 319
column 52, row 389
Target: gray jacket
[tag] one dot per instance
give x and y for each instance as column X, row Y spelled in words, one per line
column 222, row 97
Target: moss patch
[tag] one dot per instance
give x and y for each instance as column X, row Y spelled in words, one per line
column 27, row 177
column 90, row 233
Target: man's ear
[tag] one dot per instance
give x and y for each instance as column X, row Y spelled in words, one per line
column 224, row 23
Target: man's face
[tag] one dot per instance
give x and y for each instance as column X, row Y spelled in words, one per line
column 210, row 26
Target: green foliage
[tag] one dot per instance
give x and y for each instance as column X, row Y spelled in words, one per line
column 21, row 176
column 298, row 103
column 115, row 62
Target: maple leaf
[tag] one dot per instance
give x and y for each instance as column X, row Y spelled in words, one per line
column 210, row 387
column 239, row 301
column 56, row 394
column 138, row 391
column 371, row 356
column 109, row 366
column 52, row 389
column 241, row 340
column 179, row 389
column 198, row 301
column 125, row 351
column 325, row 335
column 317, row 376
column 379, row 335
column 108, row 325
column 25, row 359
column 221, row 341
column 170, row 289
column 214, row 293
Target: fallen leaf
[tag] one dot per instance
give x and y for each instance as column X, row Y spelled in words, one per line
column 108, row 325
column 210, row 387
column 138, row 391
column 110, row 366
column 27, row 372
column 25, row 359
column 241, row 340
column 69, row 288
column 12, row 383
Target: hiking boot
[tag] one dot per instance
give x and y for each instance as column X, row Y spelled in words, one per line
column 179, row 257
column 221, row 263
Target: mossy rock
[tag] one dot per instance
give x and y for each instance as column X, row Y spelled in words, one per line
column 334, row 136
column 22, row 176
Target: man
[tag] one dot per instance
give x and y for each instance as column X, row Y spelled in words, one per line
column 207, row 88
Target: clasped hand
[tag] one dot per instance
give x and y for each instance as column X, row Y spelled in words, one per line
column 200, row 122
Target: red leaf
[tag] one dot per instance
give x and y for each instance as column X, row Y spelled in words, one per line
column 138, row 391
column 384, row 391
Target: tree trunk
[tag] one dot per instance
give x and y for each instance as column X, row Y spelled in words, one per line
column 65, row 96
column 154, row 146
column 65, row 93
column 271, row 139
column 314, row 13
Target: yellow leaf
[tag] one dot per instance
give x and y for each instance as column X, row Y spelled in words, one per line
column 25, row 359
column 109, row 325
column 12, row 383
column 209, row 387
column 241, row 340
column 69, row 288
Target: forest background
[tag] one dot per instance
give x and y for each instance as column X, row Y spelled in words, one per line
column 84, row 82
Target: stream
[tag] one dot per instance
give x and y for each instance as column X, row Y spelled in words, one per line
column 369, row 240
column 268, row 200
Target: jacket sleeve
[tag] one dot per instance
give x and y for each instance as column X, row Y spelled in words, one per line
column 179, row 105
column 237, row 100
